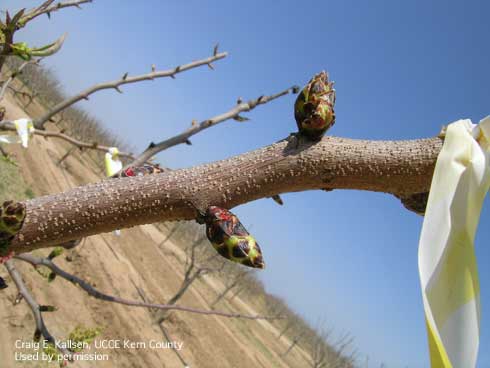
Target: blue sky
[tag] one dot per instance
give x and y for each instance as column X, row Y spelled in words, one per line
column 402, row 69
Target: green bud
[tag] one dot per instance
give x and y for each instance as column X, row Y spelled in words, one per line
column 314, row 107
column 51, row 277
column 55, row 252
column 230, row 239
column 47, row 308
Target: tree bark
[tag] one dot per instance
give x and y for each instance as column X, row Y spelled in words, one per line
column 402, row 168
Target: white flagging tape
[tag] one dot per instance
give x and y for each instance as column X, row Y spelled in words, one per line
column 24, row 128
column 112, row 162
column 112, row 166
column 9, row 139
column 447, row 261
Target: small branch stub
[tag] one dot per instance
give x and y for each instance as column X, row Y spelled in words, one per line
column 12, row 215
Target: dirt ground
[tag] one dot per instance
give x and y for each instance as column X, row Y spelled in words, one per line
column 117, row 265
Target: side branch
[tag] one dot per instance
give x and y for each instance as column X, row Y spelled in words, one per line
column 47, row 8
column 402, row 168
column 41, row 329
column 7, row 125
column 39, row 122
column 115, row 299
column 233, row 113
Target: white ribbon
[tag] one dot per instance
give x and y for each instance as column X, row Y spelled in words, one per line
column 112, row 162
column 24, row 128
column 9, row 139
column 447, row 262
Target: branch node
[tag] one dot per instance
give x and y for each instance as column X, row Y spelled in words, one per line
column 240, row 118
column 277, row 198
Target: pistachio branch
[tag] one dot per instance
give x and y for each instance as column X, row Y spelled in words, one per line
column 401, row 168
column 125, row 79
column 47, row 8
column 233, row 113
column 8, row 125
column 41, row 329
column 89, row 289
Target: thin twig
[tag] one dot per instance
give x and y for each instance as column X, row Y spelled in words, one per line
column 35, row 308
column 64, row 157
column 39, row 122
column 24, row 94
column 110, row 298
column 45, row 8
column 8, row 125
column 183, row 137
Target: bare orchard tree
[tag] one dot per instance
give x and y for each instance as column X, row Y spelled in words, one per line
column 321, row 353
column 155, row 315
column 234, row 277
column 298, row 336
column 276, row 306
column 289, row 323
column 200, row 260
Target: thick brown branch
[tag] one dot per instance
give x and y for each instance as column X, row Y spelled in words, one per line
column 115, row 299
column 39, row 122
column 183, row 137
column 401, row 168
